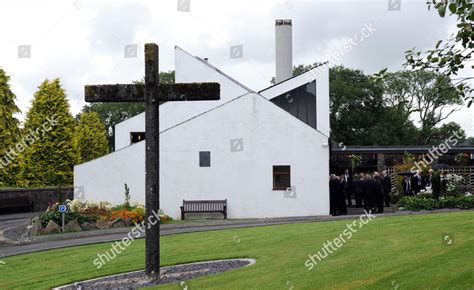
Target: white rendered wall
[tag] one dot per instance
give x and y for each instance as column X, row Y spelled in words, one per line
column 188, row 69
column 270, row 136
column 103, row 179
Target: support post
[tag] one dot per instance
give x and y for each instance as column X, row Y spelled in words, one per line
column 152, row 162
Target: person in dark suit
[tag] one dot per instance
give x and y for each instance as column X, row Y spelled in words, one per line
column 349, row 186
column 378, row 192
column 370, row 192
column 336, row 196
column 387, row 187
column 444, row 183
column 358, row 189
column 428, row 179
column 365, row 191
column 344, row 188
column 406, row 184
column 436, row 184
column 333, row 184
column 417, row 183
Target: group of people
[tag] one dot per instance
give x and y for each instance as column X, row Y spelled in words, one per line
column 413, row 184
column 370, row 191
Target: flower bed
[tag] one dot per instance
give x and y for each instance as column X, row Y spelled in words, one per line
column 89, row 215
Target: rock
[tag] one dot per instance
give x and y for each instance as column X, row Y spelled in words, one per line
column 72, row 226
column 119, row 223
column 35, row 229
column 88, row 226
column 52, row 227
column 103, row 224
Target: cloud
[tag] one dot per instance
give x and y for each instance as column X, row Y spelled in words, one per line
column 82, row 42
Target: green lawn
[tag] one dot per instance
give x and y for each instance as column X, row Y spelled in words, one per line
column 403, row 252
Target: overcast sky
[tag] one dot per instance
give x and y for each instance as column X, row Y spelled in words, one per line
column 83, row 42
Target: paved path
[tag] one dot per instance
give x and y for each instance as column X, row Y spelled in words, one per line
column 15, row 219
column 170, row 229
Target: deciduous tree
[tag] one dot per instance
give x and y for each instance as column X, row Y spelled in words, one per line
column 427, row 96
column 450, row 56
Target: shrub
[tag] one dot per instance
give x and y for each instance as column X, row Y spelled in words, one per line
column 164, row 217
column 417, row 203
column 133, row 216
column 466, row 202
column 56, row 217
column 448, row 202
column 87, row 207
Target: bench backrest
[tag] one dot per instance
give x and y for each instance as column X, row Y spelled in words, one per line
column 204, row 205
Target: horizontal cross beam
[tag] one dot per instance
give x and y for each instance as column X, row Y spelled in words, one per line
column 166, row 92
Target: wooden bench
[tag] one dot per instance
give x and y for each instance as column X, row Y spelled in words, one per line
column 204, row 206
column 18, row 203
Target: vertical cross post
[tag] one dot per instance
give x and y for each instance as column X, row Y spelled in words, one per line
column 152, row 158
column 152, row 93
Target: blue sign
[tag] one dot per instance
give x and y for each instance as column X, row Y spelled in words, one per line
column 63, row 208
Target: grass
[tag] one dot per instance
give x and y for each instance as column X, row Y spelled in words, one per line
column 402, row 252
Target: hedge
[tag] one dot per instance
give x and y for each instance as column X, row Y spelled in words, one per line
column 417, row 203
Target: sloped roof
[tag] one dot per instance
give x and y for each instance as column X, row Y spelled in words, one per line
column 295, row 76
column 217, row 70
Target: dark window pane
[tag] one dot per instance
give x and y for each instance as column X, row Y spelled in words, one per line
column 281, row 177
column 302, row 105
column 300, row 102
column 204, row 159
column 136, row 137
column 311, row 102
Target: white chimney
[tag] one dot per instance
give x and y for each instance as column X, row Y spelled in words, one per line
column 283, row 49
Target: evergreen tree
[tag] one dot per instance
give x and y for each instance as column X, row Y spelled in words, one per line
column 91, row 137
column 9, row 133
column 49, row 138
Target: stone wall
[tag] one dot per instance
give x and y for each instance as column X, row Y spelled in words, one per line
column 41, row 197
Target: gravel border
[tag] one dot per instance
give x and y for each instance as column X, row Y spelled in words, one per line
column 169, row 274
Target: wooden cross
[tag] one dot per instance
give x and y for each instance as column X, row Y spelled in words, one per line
column 152, row 93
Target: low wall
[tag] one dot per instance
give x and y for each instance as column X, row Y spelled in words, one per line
column 41, row 197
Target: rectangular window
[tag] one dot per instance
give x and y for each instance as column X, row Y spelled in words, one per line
column 204, row 159
column 136, row 137
column 281, row 177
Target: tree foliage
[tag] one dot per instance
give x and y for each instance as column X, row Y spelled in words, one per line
column 426, row 95
column 444, row 132
column 358, row 114
column 49, row 134
column 9, row 131
column 451, row 55
column 91, row 137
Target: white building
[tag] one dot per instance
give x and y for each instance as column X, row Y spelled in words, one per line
column 266, row 153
